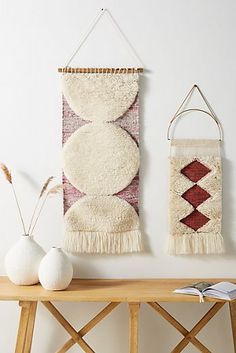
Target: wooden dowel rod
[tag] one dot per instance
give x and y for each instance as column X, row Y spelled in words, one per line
column 92, row 70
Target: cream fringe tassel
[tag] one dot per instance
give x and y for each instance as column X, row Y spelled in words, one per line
column 210, row 243
column 102, row 242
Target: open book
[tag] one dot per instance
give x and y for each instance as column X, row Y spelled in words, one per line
column 221, row 290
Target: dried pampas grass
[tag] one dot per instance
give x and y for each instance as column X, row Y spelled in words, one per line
column 54, row 190
column 8, row 176
column 45, row 185
column 42, row 192
column 6, row 172
column 42, row 198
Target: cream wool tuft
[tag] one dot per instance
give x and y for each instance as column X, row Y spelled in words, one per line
column 100, row 97
column 102, row 224
column 100, row 159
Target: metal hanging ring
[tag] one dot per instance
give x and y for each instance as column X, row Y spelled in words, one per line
column 196, row 110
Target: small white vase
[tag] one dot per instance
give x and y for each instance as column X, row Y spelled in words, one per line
column 22, row 261
column 55, row 270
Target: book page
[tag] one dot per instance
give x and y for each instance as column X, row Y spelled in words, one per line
column 201, row 286
column 224, row 287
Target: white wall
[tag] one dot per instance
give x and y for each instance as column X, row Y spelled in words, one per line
column 181, row 43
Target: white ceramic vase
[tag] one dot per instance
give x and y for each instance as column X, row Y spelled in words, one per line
column 22, row 261
column 55, row 270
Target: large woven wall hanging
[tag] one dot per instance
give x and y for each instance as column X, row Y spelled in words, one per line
column 195, row 191
column 101, row 159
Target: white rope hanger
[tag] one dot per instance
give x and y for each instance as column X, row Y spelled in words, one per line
column 118, row 30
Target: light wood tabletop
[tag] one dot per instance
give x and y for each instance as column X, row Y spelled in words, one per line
column 112, row 292
column 106, row 290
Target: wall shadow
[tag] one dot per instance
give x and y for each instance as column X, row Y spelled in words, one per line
column 228, row 207
column 144, row 157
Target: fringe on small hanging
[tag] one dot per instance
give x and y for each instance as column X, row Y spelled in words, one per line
column 103, row 242
column 210, row 243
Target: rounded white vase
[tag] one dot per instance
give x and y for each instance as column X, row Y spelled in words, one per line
column 22, row 261
column 55, row 270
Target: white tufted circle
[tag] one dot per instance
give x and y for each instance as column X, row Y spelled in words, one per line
column 101, row 214
column 100, row 97
column 100, row 159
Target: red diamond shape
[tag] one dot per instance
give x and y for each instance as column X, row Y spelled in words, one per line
column 195, row 171
column 195, row 220
column 196, row 195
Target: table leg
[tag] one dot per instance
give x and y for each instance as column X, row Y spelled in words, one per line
column 198, row 327
column 30, row 327
column 26, row 327
column 168, row 317
column 134, row 311
column 232, row 308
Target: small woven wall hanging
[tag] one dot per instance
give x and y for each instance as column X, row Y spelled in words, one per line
column 195, row 191
column 101, row 158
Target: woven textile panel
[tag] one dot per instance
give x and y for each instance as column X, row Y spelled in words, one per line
column 195, row 197
column 101, row 161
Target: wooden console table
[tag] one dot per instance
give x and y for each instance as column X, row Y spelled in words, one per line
column 114, row 292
